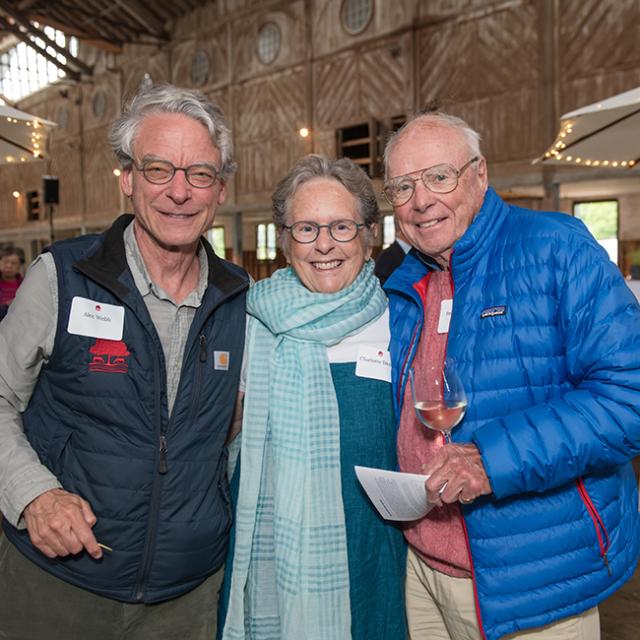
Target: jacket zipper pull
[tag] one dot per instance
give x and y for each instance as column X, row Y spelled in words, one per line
column 203, row 349
column 163, row 455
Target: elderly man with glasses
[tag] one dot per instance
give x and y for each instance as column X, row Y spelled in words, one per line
column 535, row 516
column 119, row 367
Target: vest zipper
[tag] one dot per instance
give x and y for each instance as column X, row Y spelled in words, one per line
column 162, row 463
column 598, row 524
column 154, row 506
column 195, row 394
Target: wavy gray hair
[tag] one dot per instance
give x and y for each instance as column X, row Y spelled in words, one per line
column 167, row 98
column 344, row 171
column 434, row 118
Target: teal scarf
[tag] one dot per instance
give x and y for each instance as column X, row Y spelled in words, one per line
column 290, row 577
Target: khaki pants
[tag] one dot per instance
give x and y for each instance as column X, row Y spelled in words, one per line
column 37, row 606
column 440, row 607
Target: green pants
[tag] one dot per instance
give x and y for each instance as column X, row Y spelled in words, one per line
column 37, row 606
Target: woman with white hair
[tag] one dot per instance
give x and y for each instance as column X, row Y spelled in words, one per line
column 312, row 557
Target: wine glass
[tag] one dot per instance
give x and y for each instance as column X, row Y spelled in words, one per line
column 439, row 401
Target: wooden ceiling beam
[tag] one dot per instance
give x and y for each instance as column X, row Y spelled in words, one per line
column 6, row 8
column 145, row 18
column 72, row 73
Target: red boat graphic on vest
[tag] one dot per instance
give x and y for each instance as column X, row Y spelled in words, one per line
column 109, row 356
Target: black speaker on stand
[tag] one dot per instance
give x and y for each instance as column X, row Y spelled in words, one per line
column 51, row 196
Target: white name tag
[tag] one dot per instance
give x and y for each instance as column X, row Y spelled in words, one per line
column 373, row 363
column 446, row 307
column 95, row 319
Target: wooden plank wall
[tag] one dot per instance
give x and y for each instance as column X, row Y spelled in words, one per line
column 510, row 67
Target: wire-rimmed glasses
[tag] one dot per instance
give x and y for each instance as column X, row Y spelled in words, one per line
column 306, row 232
column 441, row 178
column 200, row 176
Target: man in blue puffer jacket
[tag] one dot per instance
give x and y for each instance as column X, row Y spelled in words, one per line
column 536, row 517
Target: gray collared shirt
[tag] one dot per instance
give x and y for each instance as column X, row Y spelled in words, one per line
column 27, row 338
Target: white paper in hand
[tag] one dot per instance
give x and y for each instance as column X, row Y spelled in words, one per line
column 396, row 495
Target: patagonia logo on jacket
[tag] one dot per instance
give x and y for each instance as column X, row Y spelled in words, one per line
column 490, row 312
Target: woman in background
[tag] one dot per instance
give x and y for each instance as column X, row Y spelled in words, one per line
column 313, row 559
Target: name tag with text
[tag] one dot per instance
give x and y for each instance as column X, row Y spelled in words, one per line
column 95, row 319
column 373, row 363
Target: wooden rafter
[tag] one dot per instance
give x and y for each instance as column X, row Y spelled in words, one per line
column 72, row 73
column 34, row 31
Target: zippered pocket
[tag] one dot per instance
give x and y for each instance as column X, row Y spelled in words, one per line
column 598, row 524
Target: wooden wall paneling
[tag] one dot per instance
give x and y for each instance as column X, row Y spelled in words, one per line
column 267, row 114
column 102, row 188
column 290, row 18
column 598, row 50
column 67, row 165
column 133, row 71
column 26, row 176
column 215, row 47
column 373, row 81
column 101, row 101
column 324, row 142
column 200, row 21
column 487, row 71
column 329, row 36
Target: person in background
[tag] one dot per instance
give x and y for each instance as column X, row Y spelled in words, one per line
column 119, row 367
column 11, row 265
column 313, row 559
column 536, row 505
column 391, row 257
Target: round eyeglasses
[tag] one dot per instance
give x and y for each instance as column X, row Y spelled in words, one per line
column 442, row 178
column 340, row 230
column 200, row 176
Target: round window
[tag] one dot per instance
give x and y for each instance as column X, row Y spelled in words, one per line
column 200, row 68
column 269, row 40
column 356, row 15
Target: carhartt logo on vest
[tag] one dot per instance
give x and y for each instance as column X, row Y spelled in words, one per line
column 109, row 356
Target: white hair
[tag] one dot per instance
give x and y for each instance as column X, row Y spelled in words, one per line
column 435, row 118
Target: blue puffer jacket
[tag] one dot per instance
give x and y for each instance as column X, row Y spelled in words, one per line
column 547, row 335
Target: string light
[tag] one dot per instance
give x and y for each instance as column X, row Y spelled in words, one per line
column 563, row 140
column 16, row 194
column 304, row 132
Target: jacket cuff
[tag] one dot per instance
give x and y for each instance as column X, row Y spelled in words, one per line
column 26, row 487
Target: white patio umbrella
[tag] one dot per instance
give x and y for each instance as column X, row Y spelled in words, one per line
column 603, row 134
column 23, row 136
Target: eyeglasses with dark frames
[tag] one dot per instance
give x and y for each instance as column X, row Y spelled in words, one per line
column 441, row 178
column 306, row 232
column 200, row 176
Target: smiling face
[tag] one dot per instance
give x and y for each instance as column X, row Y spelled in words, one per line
column 172, row 216
column 326, row 265
column 433, row 222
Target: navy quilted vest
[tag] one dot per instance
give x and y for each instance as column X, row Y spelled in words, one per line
column 99, row 413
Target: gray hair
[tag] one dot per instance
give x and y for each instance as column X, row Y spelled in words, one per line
column 434, row 119
column 345, row 171
column 167, row 98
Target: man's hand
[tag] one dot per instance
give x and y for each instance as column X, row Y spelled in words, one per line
column 59, row 523
column 456, row 474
